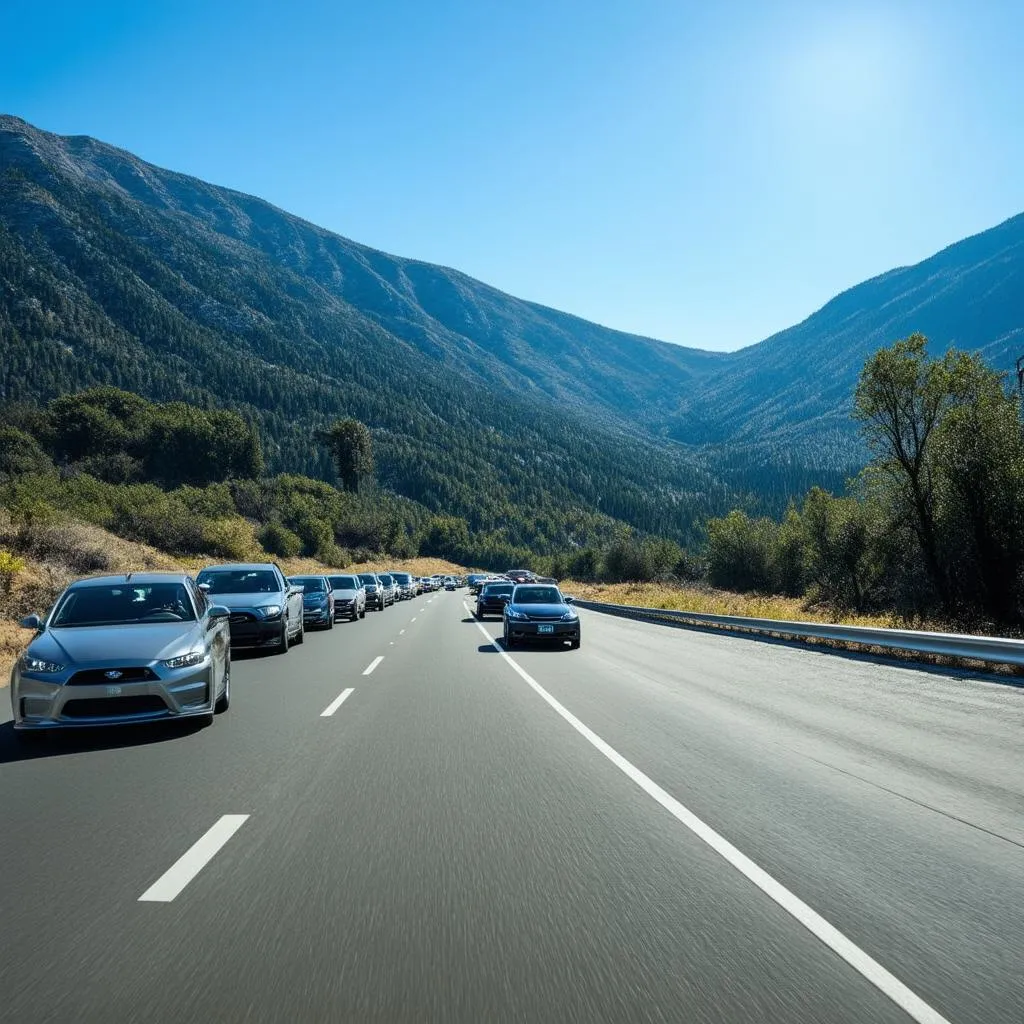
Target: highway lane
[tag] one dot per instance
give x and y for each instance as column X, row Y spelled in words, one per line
column 445, row 847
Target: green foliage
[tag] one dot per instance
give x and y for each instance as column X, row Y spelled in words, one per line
column 351, row 448
column 10, row 566
column 280, row 541
column 21, row 454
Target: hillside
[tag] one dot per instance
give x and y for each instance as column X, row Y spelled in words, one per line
column 795, row 388
column 116, row 271
column 113, row 271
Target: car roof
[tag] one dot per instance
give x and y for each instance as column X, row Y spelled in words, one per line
column 239, row 566
column 132, row 577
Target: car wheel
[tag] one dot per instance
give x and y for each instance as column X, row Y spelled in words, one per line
column 300, row 637
column 224, row 700
column 509, row 642
column 574, row 644
column 330, row 621
column 355, row 616
column 283, row 646
column 362, row 614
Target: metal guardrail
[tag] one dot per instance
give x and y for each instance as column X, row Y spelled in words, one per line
column 996, row 650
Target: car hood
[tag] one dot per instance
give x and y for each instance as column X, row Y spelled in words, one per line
column 246, row 602
column 545, row 610
column 345, row 595
column 136, row 644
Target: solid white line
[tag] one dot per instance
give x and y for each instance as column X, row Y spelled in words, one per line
column 373, row 664
column 190, row 863
column 336, row 703
column 866, row 966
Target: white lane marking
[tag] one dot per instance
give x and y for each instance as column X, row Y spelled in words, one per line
column 401, row 631
column 373, row 664
column 413, row 619
column 336, row 703
column 193, row 860
column 906, row 999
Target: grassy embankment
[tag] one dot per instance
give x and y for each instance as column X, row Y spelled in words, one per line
column 63, row 552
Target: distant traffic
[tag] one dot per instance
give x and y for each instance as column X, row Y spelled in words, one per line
column 157, row 646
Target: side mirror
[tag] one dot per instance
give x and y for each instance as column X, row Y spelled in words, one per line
column 218, row 611
column 204, row 587
column 31, row 622
column 570, row 600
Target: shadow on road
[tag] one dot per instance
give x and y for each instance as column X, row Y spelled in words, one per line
column 487, row 649
column 60, row 742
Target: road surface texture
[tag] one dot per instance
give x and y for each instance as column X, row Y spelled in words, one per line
column 665, row 825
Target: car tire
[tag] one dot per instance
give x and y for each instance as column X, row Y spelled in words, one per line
column 330, row 621
column 355, row 616
column 362, row 614
column 224, row 700
column 300, row 637
column 285, row 643
column 574, row 644
column 509, row 642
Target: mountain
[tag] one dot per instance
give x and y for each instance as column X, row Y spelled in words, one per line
column 795, row 389
column 114, row 271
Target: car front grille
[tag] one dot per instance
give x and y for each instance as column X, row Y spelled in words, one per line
column 99, row 677
column 545, row 618
column 238, row 618
column 111, row 707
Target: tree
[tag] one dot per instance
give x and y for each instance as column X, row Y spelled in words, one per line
column 351, row 448
column 900, row 400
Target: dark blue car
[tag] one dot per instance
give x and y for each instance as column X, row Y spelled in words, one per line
column 537, row 612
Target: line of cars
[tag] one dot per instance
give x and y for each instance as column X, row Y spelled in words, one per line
column 142, row 647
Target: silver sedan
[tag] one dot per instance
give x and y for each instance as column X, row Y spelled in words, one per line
column 123, row 649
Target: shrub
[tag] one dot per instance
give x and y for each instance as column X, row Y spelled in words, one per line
column 279, row 540
column 231, row 537
column 10, row 566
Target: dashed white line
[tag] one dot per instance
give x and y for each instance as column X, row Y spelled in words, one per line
column 373, row 664
column 870, row 969
column 336, row 703
column 401, row 631
column 193, row 860
column 413, row 619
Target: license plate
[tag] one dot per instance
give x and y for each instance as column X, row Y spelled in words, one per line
column 545, row 629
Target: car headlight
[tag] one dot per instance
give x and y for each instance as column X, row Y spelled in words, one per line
column 30, row 664
column 570, row 617
column 270, row 611
column 185, row 660
column 513, row 614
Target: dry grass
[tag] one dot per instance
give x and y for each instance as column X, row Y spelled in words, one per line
column 723, row 602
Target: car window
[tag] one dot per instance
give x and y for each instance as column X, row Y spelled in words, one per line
column 345, row 582
column 124, row 604
column 240, row 581
column 497, row 588
column 537, row 595
column 310, row 584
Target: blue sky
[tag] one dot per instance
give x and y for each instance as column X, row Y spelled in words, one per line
column 703, row 173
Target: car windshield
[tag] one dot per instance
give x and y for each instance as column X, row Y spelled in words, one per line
column 368, row 578
column 497, row 588
column 124, row 604
column 240, row 581
column 310, row 584
column 402, row 577
column 345, row 582
column 386, row 579
column 538, row 595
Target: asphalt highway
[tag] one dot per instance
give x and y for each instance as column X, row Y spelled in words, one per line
column 398, row 821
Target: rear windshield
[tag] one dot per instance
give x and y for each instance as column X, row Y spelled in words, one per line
column 367, row 577
column 125, row 604
column 240, row 581
column 497, row 588
column 345, row 582
column 538, row 595
column 310, row 584
column 402, row 577
column 386, row 579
